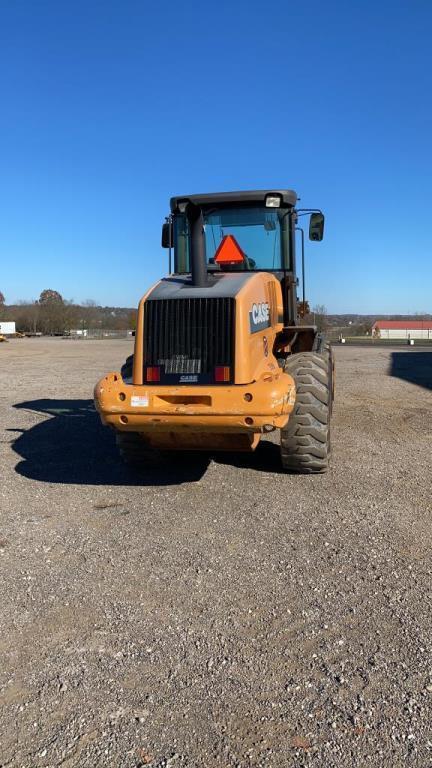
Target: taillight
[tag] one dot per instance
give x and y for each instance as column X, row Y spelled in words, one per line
column 222, row 373
column 153, row 373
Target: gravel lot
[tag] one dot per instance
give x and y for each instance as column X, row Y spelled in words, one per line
column 219, row 613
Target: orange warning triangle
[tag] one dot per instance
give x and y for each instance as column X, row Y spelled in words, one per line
column 229, row 251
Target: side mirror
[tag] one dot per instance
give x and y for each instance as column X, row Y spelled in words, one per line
column 167, row 235
column 316, row 226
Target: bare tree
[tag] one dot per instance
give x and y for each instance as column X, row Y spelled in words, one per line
column 89, row 314
column 320, row 316
column 132, row 320
column 51, row 313
column 26, row 316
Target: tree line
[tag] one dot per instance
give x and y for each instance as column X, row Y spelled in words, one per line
column 52, row 314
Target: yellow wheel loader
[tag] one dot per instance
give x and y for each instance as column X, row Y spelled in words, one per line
column 220, row 355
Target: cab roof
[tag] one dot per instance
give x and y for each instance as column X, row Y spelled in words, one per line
column 248, row 197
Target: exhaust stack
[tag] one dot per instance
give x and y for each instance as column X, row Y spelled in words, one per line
column 197, row 246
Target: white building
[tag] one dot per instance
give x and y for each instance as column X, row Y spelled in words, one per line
column 402, row 329
column 80, row 332
column 7, row 328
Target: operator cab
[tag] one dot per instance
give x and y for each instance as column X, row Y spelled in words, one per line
column 242, row 231
column 252, row 231
column 249, row 231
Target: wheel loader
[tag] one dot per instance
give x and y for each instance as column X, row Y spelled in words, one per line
column 221, row 354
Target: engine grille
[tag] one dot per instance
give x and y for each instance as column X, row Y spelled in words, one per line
column 189, row 338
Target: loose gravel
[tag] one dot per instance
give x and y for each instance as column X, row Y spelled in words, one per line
column 217, row 613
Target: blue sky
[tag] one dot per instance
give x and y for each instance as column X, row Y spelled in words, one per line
column 109, row 108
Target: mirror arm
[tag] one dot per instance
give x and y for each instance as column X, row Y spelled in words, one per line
column 299, row 229
column 305, row 211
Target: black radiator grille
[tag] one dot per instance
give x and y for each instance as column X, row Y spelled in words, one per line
column 189, row 338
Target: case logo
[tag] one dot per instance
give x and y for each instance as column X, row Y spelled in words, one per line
column 259, row 317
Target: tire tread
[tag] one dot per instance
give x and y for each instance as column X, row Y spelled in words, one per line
column 305, row 441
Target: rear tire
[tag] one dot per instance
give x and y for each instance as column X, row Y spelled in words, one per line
column 135, row 452
column 127, row 368
column 305, row 441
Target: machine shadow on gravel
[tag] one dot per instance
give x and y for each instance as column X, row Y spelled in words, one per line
column 415, row 367
column 73, row 447
column 266, row 458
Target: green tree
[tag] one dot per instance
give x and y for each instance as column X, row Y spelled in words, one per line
column 52, row 312
column 48, row 296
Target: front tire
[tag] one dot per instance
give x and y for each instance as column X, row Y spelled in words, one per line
column 305, row 441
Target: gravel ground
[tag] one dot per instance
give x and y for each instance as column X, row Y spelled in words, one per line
column 219, row 613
